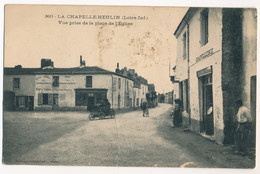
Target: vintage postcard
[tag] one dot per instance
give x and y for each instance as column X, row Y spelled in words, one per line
column 122, row 86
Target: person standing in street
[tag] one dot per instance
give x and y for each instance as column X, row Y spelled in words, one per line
column 145, row 109
column 177, row 113
column 243, row 120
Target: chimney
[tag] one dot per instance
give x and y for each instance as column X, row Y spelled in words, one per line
column 46, row 63
column 117, row 68
column 82, row 62
column 18, row 67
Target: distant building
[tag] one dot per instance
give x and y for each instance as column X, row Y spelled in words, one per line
column 49, row 88
column 169, row 97
column 140, row 87
column 215, row 66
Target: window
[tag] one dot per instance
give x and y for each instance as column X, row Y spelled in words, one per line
column 204, row 27
column 16, row 83
column 119, row 83
column 21, row 101
column 89, row 81
column 114, row 84
column 55, row 99
column 184, row 45
column 100, row 97
column 55, row 81
column 47, row 99
column 81, row 99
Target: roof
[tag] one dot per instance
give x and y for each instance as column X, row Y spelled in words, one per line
column 185, row 19
column 59, row 71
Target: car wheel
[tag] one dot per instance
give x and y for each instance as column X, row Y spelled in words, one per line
column 101, row 115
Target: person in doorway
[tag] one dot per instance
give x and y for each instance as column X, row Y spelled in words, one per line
column 243, row 120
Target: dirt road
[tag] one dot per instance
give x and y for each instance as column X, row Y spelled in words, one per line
column 69, row 138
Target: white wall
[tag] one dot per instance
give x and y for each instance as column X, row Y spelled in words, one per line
column 214, row 42
column 249, row 27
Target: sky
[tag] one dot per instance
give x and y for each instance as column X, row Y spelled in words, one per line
column 63, row 33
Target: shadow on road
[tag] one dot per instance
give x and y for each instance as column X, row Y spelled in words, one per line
column 201, row 148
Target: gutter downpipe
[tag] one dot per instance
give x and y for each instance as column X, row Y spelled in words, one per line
column 188, row 59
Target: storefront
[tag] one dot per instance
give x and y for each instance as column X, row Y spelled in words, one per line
column 90, row 97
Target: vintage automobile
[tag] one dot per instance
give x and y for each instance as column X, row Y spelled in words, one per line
column 101, row 112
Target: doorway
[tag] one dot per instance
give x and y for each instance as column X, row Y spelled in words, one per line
column 206, row 104
column 91, row 103
column 207, row 116
column 30, row 103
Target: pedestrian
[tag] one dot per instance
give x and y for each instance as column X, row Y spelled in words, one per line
column 243, row 120
column 145, row 109
column 177, row 119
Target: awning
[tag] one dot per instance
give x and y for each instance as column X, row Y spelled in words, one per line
column 204, row 71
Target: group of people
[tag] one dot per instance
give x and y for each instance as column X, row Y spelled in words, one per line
column 243, row 120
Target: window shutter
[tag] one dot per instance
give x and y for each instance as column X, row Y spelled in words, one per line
column 40, row 99
column 17, row 101
column 50, row 99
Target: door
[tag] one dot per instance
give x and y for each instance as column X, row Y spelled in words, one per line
column 55, row 102
column 253, row 94
column 208, row 119
column 91, row 102
column 31, row 103
column 119, row 100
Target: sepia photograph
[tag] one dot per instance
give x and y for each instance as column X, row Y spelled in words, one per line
column 129, row 86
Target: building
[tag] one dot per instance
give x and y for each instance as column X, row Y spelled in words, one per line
column 50, row 88
column 140, row 86
column 215, row 66
column 169, row 97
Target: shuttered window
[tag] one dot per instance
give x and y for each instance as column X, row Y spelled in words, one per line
column 47, row 99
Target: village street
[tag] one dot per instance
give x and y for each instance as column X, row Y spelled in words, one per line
column 69, row 138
